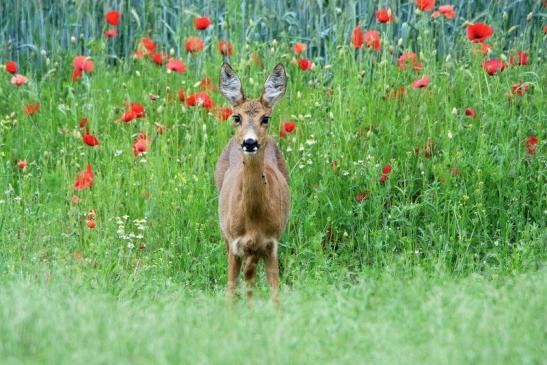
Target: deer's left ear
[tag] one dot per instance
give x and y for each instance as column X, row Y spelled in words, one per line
column 275, row 85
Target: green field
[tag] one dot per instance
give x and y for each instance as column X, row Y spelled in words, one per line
column 443, row 261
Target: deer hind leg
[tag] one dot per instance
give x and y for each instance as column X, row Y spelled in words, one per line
column 234, row 266
column 271, row 264
column 250, row 274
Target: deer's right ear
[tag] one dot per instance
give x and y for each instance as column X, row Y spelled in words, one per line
column 230, row 86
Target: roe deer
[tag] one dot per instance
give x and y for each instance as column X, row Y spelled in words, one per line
column 252, row 179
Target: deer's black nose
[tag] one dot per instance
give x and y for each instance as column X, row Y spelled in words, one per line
column 250, row 145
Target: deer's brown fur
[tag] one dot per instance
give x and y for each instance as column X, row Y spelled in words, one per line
column 254, row 197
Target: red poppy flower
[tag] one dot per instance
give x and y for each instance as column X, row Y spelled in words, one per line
column 31, row 109
column 90, row 139
column 194, row 44
column 135, row 111
column 360, row 197
column 425, row 5
column 470, row 112
column 289, row 126
column 423, row 82
column 176, row 66
column 111, row 33
column 494, row 66
column 223, row 114
column 409, row 59
column 149, row 44
column 225, row 48
column 479, row 32
column 22, row 164
column 207, row 85
column 91, row 224
column 158, row 58
column 138, row 109
column 127, row 116
column 545, row 29
column 531, row 145
column 372, row 38
column 200, row 99
column 11, row 67
column 385, row 173
column 19, row 80
column 141, row 145
column 182, row 95
column 521, row 58
column 81, row 64
column 113, row 17
column 298, row 47
column 83, row 122
column 445, row 10
column 519, row 88
column 202, row 23
column 76, row 74
column 384, row 16
column 84, row 179
column 304, row 64
column 357, row 38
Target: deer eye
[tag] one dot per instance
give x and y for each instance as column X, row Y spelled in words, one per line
column 237, row 119
column 265, row 120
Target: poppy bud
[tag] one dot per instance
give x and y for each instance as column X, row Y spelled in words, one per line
column 512, row 29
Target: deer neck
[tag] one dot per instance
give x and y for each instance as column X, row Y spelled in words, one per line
column 254, row 185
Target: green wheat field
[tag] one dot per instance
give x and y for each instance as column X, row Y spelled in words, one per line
column 414, row 133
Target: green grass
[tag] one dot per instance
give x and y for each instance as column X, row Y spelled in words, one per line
column 445, row 263
column 382, row 320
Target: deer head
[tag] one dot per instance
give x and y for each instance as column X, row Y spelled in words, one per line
column 251, row 116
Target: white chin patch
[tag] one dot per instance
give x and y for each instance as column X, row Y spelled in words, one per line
column 252, row 151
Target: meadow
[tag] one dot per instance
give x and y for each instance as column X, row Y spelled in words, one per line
column 415, row 145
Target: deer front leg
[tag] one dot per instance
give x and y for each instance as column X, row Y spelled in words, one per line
column 271, row 265
column 234, row 266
